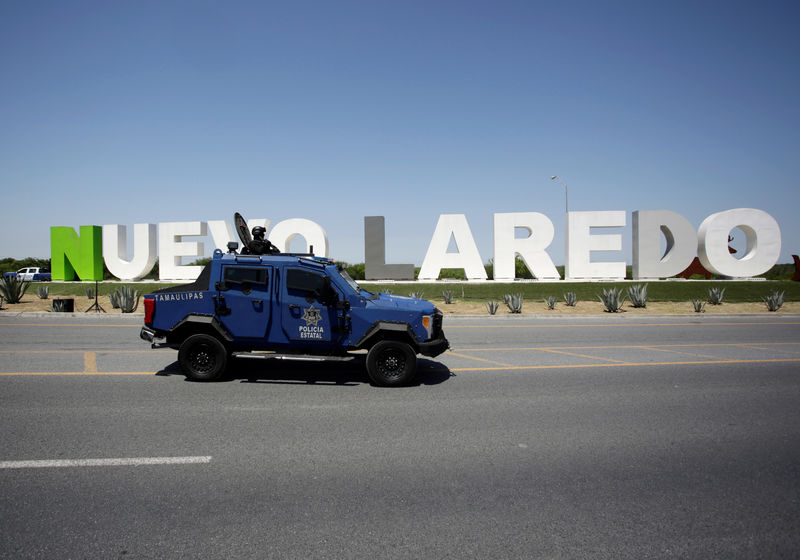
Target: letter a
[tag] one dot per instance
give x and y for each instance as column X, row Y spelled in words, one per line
column 467, row 257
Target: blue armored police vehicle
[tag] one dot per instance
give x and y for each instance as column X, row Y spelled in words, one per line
column 260, row 303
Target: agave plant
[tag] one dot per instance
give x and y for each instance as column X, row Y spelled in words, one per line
column 42, row 292
column 59, row 305
column 90, row 293
column 638, row 295
column 492, row 306
column 1, row 302
column 570, row 298
column 699, row 306
column 12, row 288
column 417, row 294
column 715, row 296
column 612, row 299
column 448, row 296
column 128, row 299
column 514, row 302
column 550, row 302
column 113, row 297
column 774, row 300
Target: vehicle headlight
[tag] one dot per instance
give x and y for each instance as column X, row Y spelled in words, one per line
column 427, row 322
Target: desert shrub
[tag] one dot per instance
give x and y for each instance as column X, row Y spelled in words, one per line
column 12, row 288
column 612, row 299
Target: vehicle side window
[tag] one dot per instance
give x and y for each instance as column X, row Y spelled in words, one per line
column 305, row 281
column 242, row 275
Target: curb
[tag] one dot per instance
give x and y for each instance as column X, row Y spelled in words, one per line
column 506, row 317
column 621, row 315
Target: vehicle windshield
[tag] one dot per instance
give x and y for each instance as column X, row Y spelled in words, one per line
column 353, row 284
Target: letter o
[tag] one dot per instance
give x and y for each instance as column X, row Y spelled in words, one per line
column 283, row 233
column 762, row 234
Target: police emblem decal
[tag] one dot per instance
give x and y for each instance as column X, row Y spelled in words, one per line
column 311, row 316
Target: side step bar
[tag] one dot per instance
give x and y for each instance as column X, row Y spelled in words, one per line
column 292, row 357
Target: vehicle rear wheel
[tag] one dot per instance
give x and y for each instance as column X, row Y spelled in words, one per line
column 202, row 357
column 391, row 363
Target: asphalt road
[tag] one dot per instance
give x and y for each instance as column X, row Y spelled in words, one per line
column 536, row 437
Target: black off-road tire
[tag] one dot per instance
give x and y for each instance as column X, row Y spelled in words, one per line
column 202, row 357
column 391, row 363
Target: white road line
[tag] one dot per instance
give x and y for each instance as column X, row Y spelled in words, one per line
column 122, row 462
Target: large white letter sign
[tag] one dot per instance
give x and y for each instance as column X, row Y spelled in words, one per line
column 171, row 248
column 115, row 250
column 532, row 248
column 763, row 238
column 283, row 233
column 581, row 242
column 375, row 267
column 681, row 244
column 467, row 256
column 222, row 232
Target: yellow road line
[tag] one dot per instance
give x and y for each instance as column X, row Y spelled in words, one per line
column 90, row 362
column 632, row 364
column 451, row 353
column 26, row 352
column 13, row 373
column 581, row 355
column 770, row 349
column 101, row 325
column 623, row 346
column 546, row 326
column 502, row 368
column 671, row 351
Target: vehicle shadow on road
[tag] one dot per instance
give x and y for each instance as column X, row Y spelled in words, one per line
column 351, row 373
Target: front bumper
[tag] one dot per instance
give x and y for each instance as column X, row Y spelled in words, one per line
column 435, row 346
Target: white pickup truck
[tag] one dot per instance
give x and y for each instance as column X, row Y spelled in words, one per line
column 31, row 274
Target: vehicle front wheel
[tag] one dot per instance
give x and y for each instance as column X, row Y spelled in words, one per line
column 391, row 363
column 202, row 357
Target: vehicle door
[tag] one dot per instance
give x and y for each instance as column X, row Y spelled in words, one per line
column 243, row 294
column 25, row 274
column 308, row 311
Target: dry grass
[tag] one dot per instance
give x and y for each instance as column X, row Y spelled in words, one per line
column 595, row 307
column 31, row 302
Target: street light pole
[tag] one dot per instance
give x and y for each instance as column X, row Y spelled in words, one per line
column 566, row 220
column 566, row 193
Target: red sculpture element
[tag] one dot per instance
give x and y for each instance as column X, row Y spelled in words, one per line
column 796, row 276
column 731, row 250
column 697, row 267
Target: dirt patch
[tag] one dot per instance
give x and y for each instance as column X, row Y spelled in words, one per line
column 595, row 307
column 31, row 302
column 82, row 303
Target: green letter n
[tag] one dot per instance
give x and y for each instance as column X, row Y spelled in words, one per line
column 71, row 254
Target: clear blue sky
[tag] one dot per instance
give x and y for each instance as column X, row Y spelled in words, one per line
column 130, row 112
